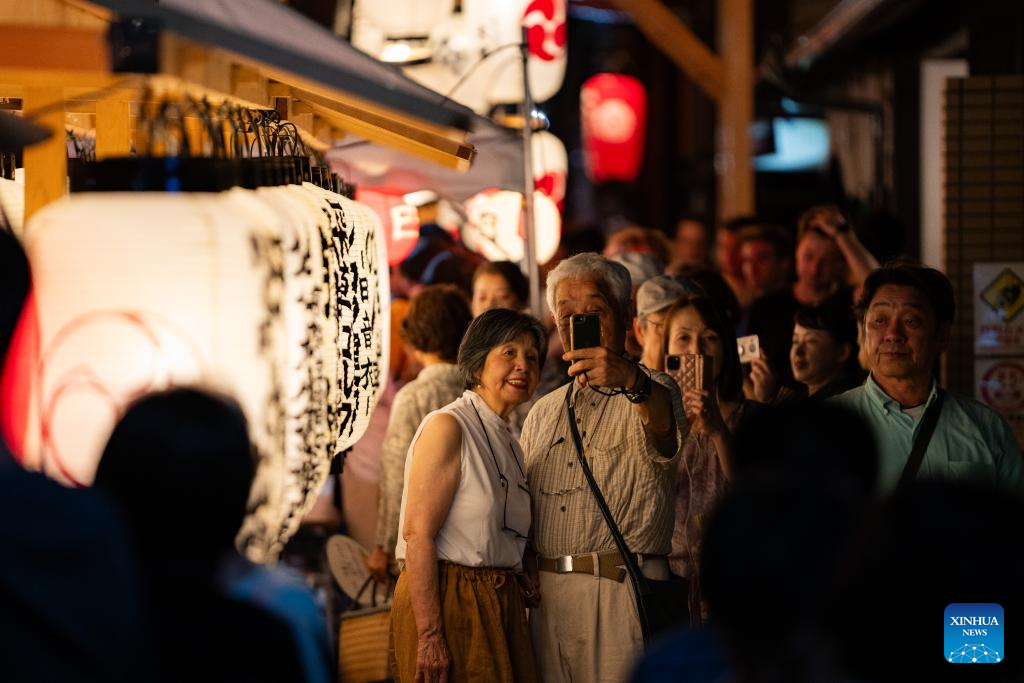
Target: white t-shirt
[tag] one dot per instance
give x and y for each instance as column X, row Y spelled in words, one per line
column 490, row 515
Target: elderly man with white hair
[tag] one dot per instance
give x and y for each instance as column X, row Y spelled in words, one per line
column 631, row 424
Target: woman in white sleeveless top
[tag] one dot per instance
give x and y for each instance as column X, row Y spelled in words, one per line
column 458, row 613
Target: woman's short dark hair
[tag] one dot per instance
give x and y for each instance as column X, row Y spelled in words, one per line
column 436, row 320
column 493, row 328
column 730, row 380
column 835, row 319
column 512, row 275
column 933, row 284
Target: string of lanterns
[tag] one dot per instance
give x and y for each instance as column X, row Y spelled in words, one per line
column 275, row 293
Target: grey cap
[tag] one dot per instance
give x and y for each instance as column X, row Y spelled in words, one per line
column 657, row 293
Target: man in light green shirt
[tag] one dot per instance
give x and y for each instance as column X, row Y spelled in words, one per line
column 907, row 312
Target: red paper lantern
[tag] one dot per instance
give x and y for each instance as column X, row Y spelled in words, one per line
column 400, row 220
column 614, row 112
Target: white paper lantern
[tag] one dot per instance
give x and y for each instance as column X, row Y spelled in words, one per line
column 271, row 296
column 380, row 26
column 489, row 27
column 550, row 166
column 495, row 225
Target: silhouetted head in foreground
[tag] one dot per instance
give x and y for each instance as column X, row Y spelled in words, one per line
column 180, row 465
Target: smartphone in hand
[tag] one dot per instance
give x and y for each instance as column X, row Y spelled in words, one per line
column 672, row 363
column 749, row 348
column 584, row 331
column 695, row 371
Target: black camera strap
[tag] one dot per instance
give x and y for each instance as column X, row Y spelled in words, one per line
column 640, row 587
column 924, row 436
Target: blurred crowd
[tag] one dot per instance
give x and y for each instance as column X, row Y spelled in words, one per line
column 717, row 456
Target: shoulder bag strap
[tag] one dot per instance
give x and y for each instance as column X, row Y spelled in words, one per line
column 924, row 436
column 640, row 587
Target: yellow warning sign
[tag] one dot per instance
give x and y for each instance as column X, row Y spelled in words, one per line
column 998, row 303
column 1005, row 295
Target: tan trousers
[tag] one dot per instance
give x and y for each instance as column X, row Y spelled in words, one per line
column 586, row 629
column 484, row 627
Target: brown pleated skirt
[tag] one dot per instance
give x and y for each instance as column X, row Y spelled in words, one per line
column 484, row 626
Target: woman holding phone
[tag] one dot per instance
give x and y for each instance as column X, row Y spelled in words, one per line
column 702, row 357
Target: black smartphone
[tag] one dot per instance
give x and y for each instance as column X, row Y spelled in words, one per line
column 672, row 363
column 584, row 331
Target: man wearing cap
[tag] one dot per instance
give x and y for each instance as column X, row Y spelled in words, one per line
column 652, row 300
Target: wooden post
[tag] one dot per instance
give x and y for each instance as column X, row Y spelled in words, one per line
column 113, row 126
column 46, row 163
column 736, row 109
column 301, row 114
column 678, row 43
column 726, row 78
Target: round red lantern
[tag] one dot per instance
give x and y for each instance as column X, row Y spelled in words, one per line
column 614, row 112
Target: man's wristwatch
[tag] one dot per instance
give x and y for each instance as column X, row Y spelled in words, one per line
column 641, row 390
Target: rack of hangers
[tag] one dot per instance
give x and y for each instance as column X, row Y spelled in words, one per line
column 192, row 144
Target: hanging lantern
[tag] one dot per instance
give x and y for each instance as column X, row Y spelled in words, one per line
column 400, row 221
column 550, row 166
column 485, row 27
column 119, row 311
column 272, row 296
column 614, row 112
column 494, row 227
column 397, row 31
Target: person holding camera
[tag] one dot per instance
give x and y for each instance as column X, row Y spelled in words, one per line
column 458, row 612
column 702, row 356
column 829, row 259
column 631, row 428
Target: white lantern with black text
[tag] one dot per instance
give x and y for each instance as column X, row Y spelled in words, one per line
column 272, row 296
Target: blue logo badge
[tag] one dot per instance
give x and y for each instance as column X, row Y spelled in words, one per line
column 973, row 633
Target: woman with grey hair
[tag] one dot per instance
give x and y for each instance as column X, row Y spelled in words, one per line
column 458, row 613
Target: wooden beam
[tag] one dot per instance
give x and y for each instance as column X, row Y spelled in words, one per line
column 736, row 109
column 436, row 148
column 323, row 131
column 46, row 166
column 248, row 84
column 677, row 41
column 113, row 126
column 66, row 13
column 301, row 114
column 59, row 49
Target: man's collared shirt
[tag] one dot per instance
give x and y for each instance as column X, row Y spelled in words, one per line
column 636, row 480
column 971, row 442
